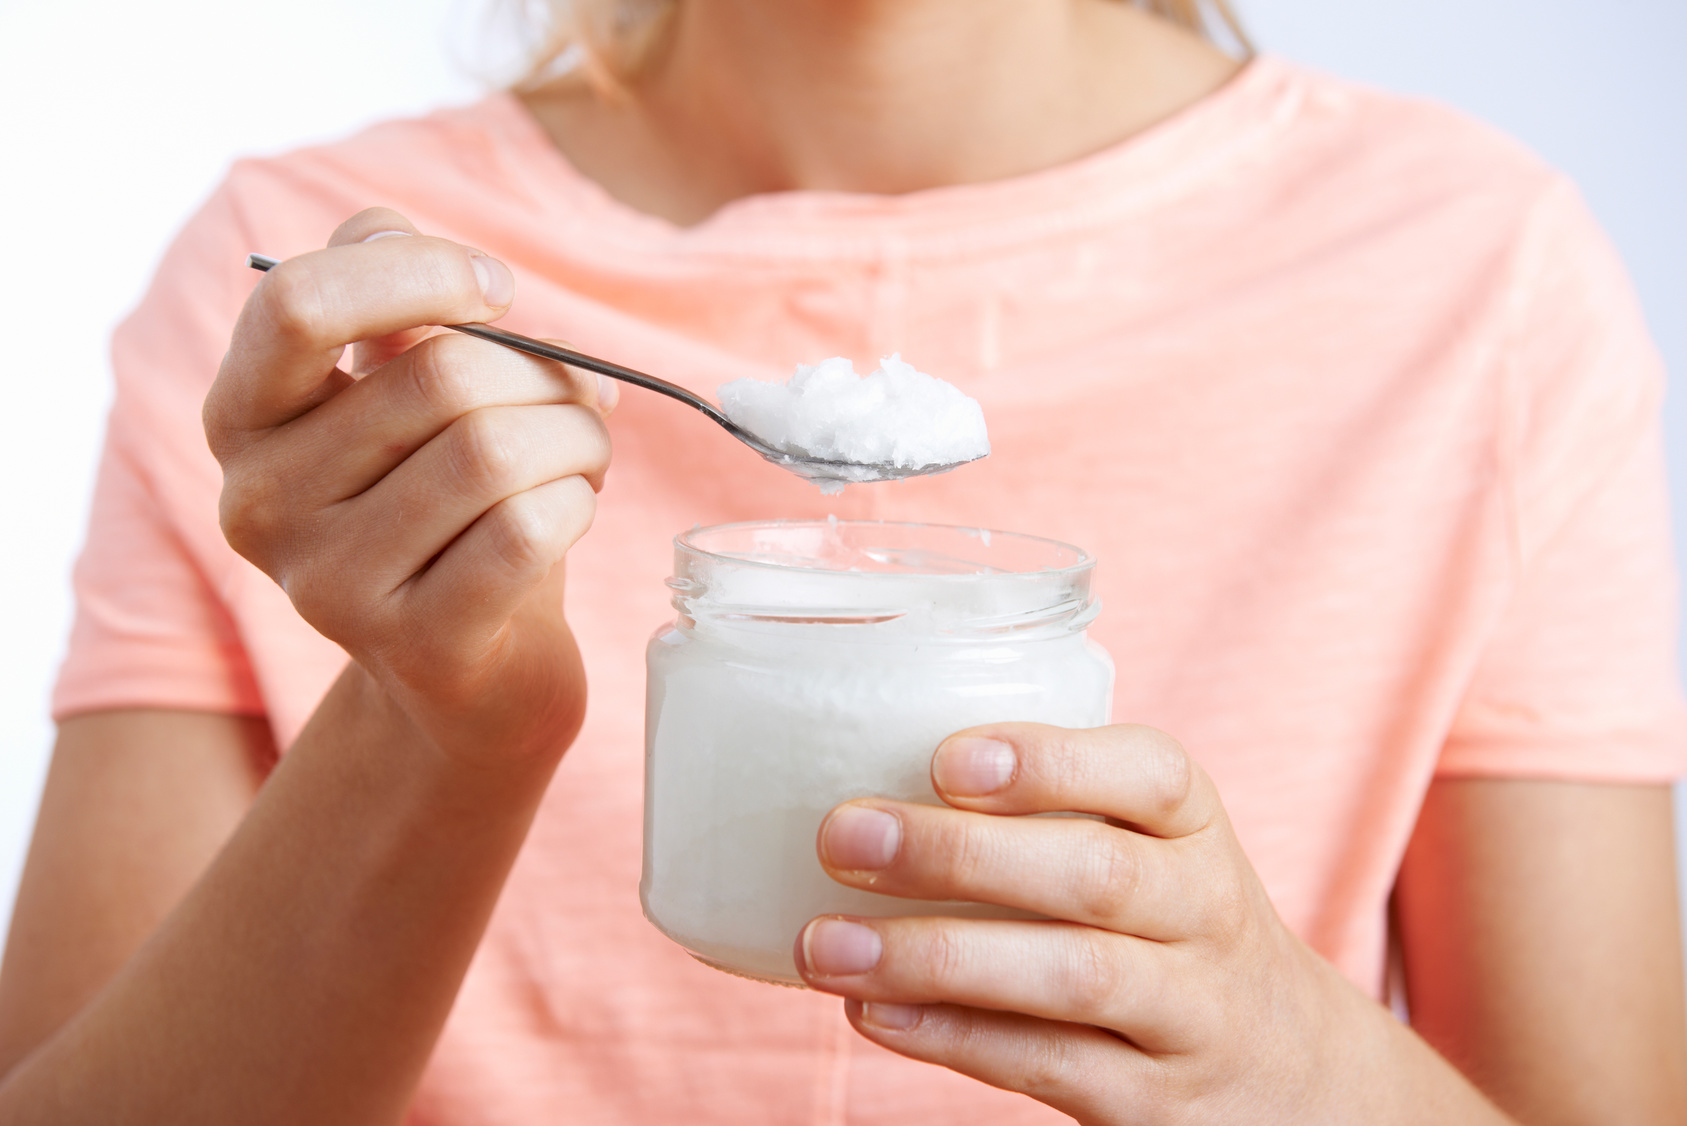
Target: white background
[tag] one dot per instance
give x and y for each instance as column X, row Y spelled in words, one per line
column 119, row 117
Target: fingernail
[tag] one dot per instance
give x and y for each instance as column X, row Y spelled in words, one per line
column 608, row 393
column 839, row 948
column 972, row 768
column 858, row 839
column 387, row 234
column 897, row 1018
column 497, row 284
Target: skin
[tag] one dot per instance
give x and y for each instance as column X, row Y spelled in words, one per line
column 878, row 96
column 1538, row 922
column 291, row 956
column 1542, row 949
column 190, row 947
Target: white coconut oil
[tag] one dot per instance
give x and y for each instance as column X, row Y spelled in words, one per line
column 872, row 427
column 815, row 662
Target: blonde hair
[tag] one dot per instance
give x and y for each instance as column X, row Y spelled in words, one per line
column 605, row 41
column 1200, row 16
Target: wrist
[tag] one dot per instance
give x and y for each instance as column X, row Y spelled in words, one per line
column 455, row 766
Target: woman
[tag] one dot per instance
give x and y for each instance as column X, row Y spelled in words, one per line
column 1346, row 394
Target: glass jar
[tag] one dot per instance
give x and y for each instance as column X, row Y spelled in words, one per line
column 817, row 661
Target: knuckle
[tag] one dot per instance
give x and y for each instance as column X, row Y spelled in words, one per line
column 966, row 852
column 244, row 527
column 523, row 534
column 1047, row 1067
column 442, row 376
column 292, row 305
column 1065, row 764
column 250, row 519
column 1226, row 919
column 943, row 959
column 333, row 597
column 578, row 383
column 1170, row 773
column 1110, row 875
column 596, row 442
column 446, row 266
column 1091, row 978
column 481, row 454
column 369, row 219
column 217, row 416
column 583, row 501
column 308, row 594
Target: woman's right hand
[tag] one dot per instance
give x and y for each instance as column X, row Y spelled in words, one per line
column 191, row 948
column 416, row 509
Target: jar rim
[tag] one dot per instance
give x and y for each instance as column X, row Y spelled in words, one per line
column 1004, row 548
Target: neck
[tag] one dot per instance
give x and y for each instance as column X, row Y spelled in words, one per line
column 881, row 96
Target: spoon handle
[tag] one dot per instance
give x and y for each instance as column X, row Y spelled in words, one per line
column 566, row 355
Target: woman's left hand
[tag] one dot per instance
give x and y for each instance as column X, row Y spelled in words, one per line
column 1162, row 987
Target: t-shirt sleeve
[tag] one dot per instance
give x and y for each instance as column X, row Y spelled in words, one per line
column 1578, row 679
column 151, row 628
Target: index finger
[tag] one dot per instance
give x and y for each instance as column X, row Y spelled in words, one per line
column 1137, row 776
column 282, row 359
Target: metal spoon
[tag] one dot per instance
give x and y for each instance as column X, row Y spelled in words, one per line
column 813, row 468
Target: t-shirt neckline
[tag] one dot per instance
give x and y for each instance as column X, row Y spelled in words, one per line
column 1158, row 164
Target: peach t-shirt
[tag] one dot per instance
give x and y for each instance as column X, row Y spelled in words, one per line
column 1347, row 394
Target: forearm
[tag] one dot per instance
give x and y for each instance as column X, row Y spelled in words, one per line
column 307, row 975
column 1395, row 1078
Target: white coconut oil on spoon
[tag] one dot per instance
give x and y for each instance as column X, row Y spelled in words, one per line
column 839, row 427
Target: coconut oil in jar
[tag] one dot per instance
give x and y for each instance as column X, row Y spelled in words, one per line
column 815, row 662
